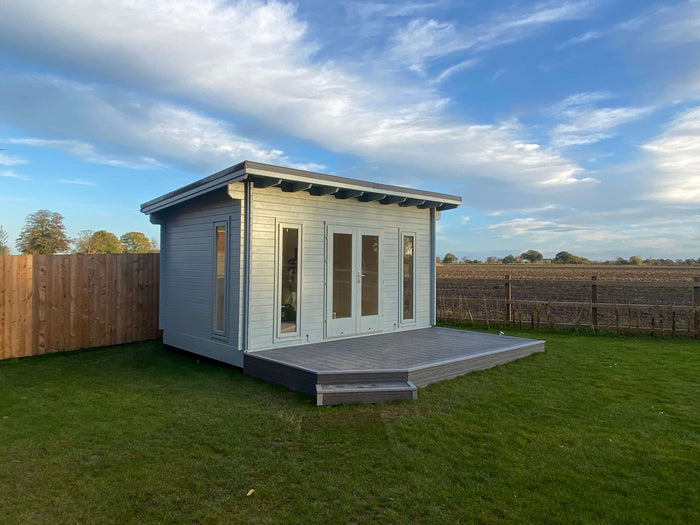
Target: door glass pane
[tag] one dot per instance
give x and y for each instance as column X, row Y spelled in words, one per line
column 289, row 292
column 342, row 275
column 220, row 279
column 370, row 275
column 408, row 242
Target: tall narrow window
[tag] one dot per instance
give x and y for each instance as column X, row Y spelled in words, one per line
column 342, row 275
column 220, row 280
column 370, row 275
column 408, row 277
column 289, row 280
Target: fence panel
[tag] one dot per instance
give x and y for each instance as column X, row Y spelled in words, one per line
column 664, row 307
column 52, row 303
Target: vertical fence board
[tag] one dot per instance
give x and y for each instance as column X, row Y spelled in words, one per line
column 3, row 308
column 50, row 303
column 40, row 304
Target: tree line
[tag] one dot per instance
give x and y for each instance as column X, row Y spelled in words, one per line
column 534, row 257
column 44, row 233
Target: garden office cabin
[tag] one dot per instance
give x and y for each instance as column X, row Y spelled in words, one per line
column 260, row 258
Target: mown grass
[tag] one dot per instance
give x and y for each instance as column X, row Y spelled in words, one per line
column 597, row 429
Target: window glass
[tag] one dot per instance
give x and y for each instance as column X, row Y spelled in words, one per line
column 370, row 274
column 220, row 280
column 342, row 275
column 408, row 276
column 288, row 280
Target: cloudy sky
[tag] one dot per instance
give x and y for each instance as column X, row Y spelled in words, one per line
column 564, row 125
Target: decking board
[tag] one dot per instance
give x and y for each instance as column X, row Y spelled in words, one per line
column 422, row 356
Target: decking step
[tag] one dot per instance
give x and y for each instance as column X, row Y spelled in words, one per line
column 375, row 392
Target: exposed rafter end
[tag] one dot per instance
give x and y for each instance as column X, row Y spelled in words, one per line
column 393, row 199
column 411, row 202
column 446, row 206
column 348, row 194
column 320, row 191
column 371, row 197
column 293, row 187
column 265, row 182
column 429, row 204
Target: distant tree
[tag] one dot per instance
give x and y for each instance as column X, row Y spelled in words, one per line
column 492, row 260
column 154, row 244
column 135, row 242
column 438, row 260
column 103, row 241
column 43, row 233
column 4, row 248
column 636, row 260
column 449, row 258
column 82, row 242
column 531, row 256
column 509, row 259
column 567, row 258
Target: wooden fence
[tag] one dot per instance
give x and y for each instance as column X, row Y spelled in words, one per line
column 656, row 307
column 51, row 303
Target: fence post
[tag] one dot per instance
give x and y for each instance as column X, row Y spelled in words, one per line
column 594, row 304
column 508, row 317
column 696, row 303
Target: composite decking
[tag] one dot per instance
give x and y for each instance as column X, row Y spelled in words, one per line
column 384, row 367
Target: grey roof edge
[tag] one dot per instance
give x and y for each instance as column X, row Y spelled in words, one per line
column 242, row 170
column 218, row 179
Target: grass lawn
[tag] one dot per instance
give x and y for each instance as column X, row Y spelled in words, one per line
column 597, row 429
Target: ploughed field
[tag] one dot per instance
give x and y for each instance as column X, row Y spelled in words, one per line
column 634, row 299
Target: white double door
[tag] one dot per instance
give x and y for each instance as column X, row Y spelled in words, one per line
column 353, row 281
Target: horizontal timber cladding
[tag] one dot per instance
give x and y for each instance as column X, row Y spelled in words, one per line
column 187, row 276
column 271, row 206
column 53, row 303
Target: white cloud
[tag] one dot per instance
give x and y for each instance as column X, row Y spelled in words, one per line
column 676, row 156
column 254, row 60
column 680, row 24
column 465, row 219
column 78, row 182
column 422, row 39
column 581, row 99
column 7, row 160
column 13, row 175
column 447, row 73
column 519, row 226
column 85, row 151
column 598, row 237
column 128, row 123
column 589, row 35
column 374, row 10
column 586, row 124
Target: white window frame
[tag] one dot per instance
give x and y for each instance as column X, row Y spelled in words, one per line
column 403, row 234
column 279, row 265
column 216, row 333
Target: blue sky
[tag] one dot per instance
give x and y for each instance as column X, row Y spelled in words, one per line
column 564, row 125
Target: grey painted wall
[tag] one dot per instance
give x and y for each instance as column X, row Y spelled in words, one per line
column 187, row 276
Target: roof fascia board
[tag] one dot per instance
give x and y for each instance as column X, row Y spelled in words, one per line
column 320, row 179
column 218, row 180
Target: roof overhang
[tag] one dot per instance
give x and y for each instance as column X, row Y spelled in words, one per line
column 316, row 184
